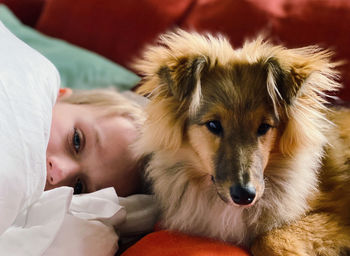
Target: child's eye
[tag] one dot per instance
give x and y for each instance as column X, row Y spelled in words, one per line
column 76, row 141
column 78, row 187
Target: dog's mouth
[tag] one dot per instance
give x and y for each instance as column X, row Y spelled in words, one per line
column 220, row 194
column 242, row 198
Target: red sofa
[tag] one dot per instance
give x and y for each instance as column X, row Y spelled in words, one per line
column 119, row 29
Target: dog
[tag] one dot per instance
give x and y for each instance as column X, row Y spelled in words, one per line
column 244, row 147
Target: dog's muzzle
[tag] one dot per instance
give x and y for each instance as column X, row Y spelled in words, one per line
column 242, row 195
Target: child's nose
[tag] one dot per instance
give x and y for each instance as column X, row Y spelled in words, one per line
column 60, row 170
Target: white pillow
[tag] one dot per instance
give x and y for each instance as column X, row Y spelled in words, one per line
column 28, row 89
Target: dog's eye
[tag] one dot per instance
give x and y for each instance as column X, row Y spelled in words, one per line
column 214, row 127
column 263, row 129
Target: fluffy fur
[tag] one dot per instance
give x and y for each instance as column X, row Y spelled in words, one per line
column 275, row 134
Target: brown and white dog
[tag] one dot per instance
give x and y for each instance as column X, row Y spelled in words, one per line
column 243, row 148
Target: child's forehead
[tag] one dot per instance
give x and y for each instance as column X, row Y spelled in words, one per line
column 99, row 112
column 88, row 109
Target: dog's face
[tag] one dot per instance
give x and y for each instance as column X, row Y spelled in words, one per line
column 232, row 108
column 234, row 130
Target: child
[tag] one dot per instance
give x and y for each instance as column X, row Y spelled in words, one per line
column 89, row 142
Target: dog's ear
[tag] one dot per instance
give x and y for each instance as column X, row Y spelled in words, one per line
column 174, row 88
column 288, row 73
column 184, row 77
column 281, row 83
column 285, row 83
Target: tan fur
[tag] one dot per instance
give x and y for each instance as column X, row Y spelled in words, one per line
column 301, row 203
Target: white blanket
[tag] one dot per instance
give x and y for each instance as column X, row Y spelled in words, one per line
column 28, row 89
column 57, row 224
column 33, row 222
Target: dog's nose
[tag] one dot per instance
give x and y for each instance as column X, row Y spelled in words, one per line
column 242, row 195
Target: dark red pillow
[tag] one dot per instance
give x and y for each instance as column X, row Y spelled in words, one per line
column 116, row 29
column 28, row 11
column 294, row 23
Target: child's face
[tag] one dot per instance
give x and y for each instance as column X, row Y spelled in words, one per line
column 89, row 152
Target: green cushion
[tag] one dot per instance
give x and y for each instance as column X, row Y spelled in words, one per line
column 78, row 68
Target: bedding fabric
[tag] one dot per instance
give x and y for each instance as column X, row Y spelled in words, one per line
column 59, row 223
column 34, row 222
column 28, row 87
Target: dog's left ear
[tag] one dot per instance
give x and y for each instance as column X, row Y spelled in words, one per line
column 285, row 83
column 184, row 77
column 291, row 70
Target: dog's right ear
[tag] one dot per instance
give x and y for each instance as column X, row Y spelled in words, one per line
column 184, row 78
column 174, row 88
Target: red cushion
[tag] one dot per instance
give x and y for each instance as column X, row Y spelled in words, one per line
column 117, row 29
column 28, row 11
column 294, row 23
column 165, row 243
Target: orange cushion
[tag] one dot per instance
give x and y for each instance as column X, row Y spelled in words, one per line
column 166, row 243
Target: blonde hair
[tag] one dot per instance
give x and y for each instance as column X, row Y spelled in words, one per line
column 110, row 102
